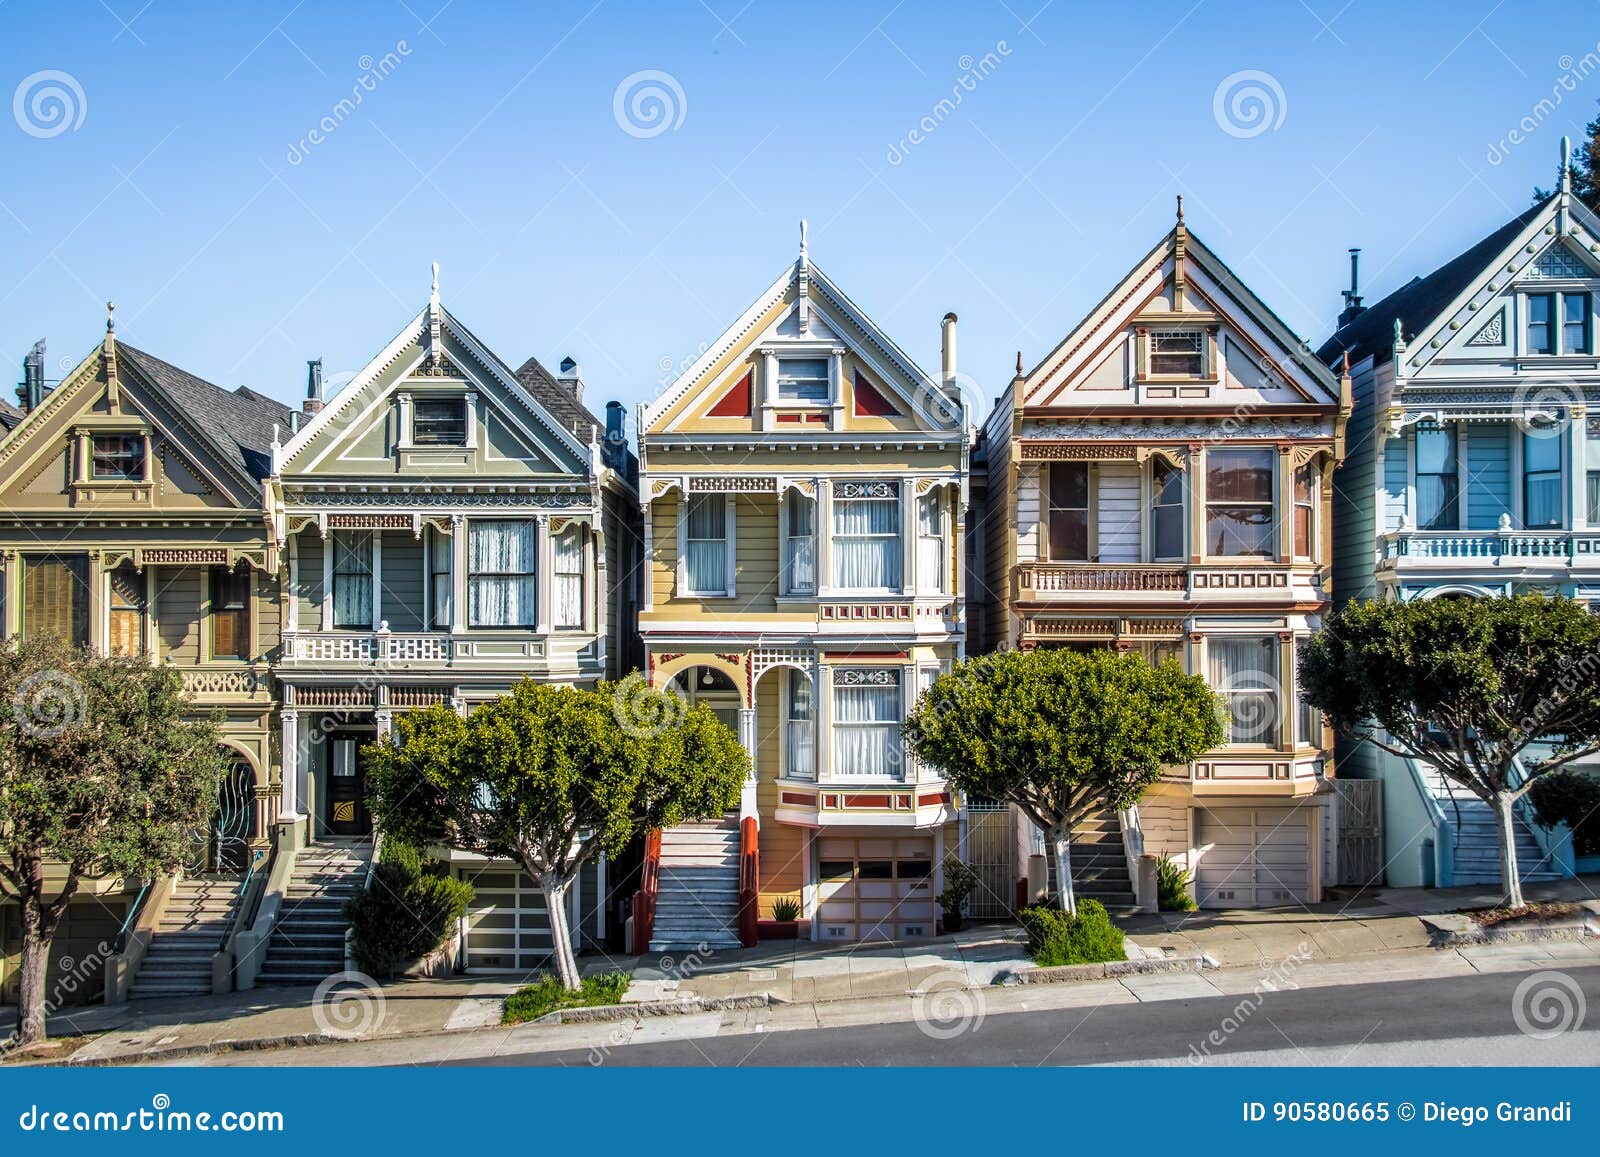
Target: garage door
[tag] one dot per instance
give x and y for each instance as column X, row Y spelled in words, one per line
column 507, row 930
column 1252, row 857
column 875, row 889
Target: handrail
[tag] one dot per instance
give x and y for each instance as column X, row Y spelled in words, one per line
column 749, row 880
column 644, row 900
column 233, row 914
column 119, row 944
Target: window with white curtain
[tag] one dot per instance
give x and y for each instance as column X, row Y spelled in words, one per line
column 866, row 535
column 439, row 579
column 568, row 589
column 866, row 723
column 930, row 542
column 501, row 569
column 1244, row 671
column 800, row 728
column 706, row 544
column 799, row 544
column 352, row 579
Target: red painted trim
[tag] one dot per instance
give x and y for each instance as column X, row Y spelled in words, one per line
column 870, row 402
column 935, row 797
column 735, row 403
column 749, row 880
column 644, row 900
column 868, row 800
column 797, row 797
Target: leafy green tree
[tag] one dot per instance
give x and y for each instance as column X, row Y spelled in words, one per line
column 1062, row 734
column 100, row 775
column 551, row 776
column 1495, row 693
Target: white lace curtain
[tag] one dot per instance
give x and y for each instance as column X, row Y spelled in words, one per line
column 568, row 590
column 866, row 543
column 866, row 732
column 501, row 590
column 801, row 728
column 799, row 543
column 930, row 542
column 352, row 579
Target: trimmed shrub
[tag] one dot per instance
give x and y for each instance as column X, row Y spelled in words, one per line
column 410, row 910
column 1172, row 886
column 532, row 1001
column 1054, row 937
column 1571, row 798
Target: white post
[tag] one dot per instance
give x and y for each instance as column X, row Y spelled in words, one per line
column 747, row 740
column 290, row 738
column 545, row 562
column 458, row 574
column 403, row 442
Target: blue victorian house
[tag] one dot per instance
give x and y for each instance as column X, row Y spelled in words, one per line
column 1473, row 469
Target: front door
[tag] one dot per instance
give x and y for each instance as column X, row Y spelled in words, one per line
column 347, row 796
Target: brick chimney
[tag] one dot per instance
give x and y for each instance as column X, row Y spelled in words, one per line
column 313, row 402
column 571, row 377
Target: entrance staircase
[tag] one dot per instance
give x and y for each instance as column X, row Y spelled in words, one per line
column 307, row 944
column 190, row 933
column 1477, row 839
column 697, row 896
column 1099, row 863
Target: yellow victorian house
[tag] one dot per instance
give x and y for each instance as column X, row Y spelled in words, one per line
column 804, row 485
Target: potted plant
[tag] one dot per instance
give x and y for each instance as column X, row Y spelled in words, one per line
column 959, row 882
column 785, row 922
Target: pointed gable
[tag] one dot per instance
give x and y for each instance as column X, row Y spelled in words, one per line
column 804, row 360
column 1180, row 332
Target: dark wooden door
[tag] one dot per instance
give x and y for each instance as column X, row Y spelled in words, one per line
column 347, row 796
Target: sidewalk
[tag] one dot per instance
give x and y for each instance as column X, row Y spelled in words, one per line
column 1373, row 938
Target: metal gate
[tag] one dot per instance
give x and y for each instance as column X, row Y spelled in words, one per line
column 1360, row 831
column 991, row 854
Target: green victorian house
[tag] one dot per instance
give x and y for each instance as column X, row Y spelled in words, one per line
column 131, row 521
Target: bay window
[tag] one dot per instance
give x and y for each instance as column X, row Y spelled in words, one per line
column 127, row 611
column 568, row 589
column 1437, row 480
column 1166, row 512
column 1305, row 510
column 1244, row 671
column 1239, row 502
column 930, row 542
column 501, row 570
column 440, row 579
column 1067, row 512
column 867, row 713
column 1541, row 479
column 799, row 544
column 706, row 544
column 800, row 728
column 866, row 535
column 352, row 579
column 55, row 598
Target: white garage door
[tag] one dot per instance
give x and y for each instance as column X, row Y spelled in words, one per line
column 507, row 930
column 1253, row 857
column 875, row 889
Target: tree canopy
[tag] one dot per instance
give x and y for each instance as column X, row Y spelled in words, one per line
column 1062, row 734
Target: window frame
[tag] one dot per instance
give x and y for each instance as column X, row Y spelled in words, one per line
column 136, row 606
column 1306, row 509
column 848, row 678
column 1201, row 353
column 793, row 725
column 134, row 446
column 794, row 502
column 77, row 571
column 351, row 536
column 531, row 604
column 781, row 379
column 575, row 531
column 727, row 540
column 1050, row 509
column 1269, row 504
column 1160, row 471
column 1555, row 324
column 441, row 583
column 891, row 494
column 1558, row 473
column 937, row 543
column 422, row 430
column 218, row 579
column 1272, row 736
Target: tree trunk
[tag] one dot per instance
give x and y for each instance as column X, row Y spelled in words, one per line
column 35, row 965
column 1510, row 872
column 555, row 889
column 1061, row 841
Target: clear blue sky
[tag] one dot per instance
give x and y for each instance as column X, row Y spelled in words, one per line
column 493, row 148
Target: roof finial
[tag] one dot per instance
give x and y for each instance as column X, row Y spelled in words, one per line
column 1566, row 164
column 803, row 228
column 1180, row 208
column 111, row 316
column 1019, row 363
column 435, row 291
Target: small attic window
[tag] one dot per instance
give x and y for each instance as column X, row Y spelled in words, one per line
column 1177, row 353
column 439, row 422
column 803, row 380
column 117, row 458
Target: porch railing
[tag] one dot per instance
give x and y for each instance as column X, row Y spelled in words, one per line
column 1560, row 547
column 1051, row 578
column 749, row 881
column 365, row 647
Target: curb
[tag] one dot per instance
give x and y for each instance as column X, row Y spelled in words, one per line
column 1111, row 970
column 1451, row 930
column 649, row 1008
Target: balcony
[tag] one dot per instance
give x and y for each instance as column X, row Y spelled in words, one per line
column 355, row 650
column 1043, row 581
column 219, row 686
column 1468, row 550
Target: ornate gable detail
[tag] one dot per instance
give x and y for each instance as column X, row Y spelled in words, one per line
column 1491, row 332
column 1558, row 263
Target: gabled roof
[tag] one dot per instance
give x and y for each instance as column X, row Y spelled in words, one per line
column 558, row 398
column 1420, row 301
column 239, row 423
column 9, row 416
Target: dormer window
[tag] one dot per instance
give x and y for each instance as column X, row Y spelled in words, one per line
column 1558, row 323
column 439, row 422
column 1177, row 353
column 803, row 381
column 117, row 458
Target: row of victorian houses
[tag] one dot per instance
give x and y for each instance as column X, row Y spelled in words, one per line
column 812, row 528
